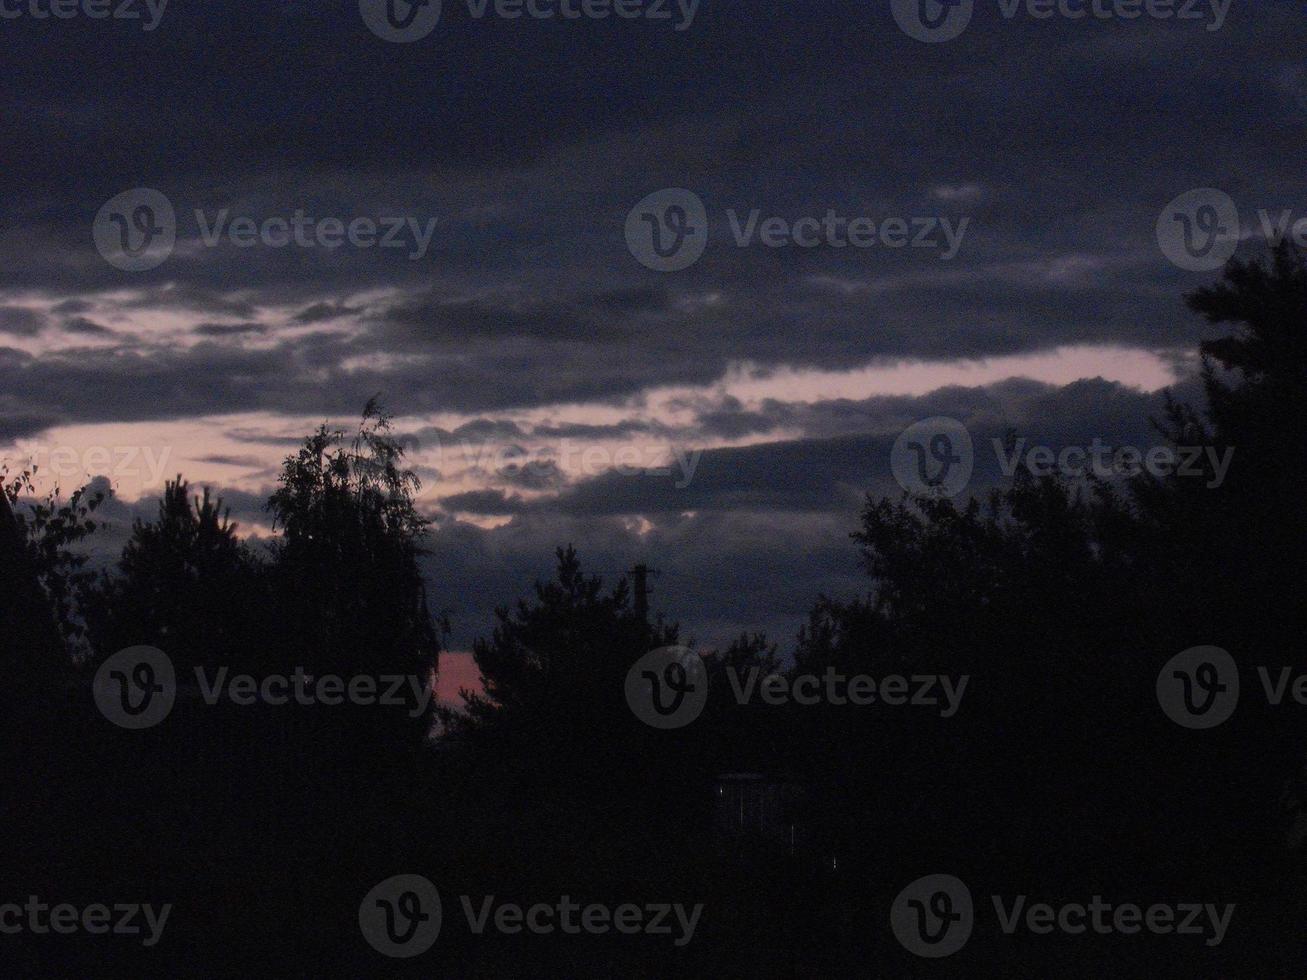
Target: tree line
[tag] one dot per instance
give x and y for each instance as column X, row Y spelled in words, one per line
column 1060, row 598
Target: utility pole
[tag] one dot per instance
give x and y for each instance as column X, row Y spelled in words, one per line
column 640, row 579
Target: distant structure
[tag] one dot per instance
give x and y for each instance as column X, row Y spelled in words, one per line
column 756, row 811
column 640, row 582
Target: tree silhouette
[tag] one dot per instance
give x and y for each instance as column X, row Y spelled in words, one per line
column 349, row 592
column 185, row 583
column 554, row 668
column 1062, row 598
column 42, row 534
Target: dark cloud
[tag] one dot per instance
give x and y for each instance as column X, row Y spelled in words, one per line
column 749, row 513
column 120, row 384
column 319, row 312
column 528, row 295
column 191, row 297
column 579, row 430
column 221, row 459
column 81, row 325
column 831, row 473
column 469, row 321
column 482, row 503
column 733, row 421
column 538, row 474
column 21, row 322
column 72, row 307
column 229, row 329
column 717, row 572
column 264, row 438
column 244, row 507
column 20, row 425
column 485, row 429
column 1060, row 141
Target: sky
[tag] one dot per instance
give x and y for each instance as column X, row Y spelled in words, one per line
column 665, row 288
